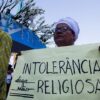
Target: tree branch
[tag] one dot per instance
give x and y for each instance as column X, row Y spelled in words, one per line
column 1, row 5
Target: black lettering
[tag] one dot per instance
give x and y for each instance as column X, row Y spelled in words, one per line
column 42, row 67
column 76, row 66
column 27, row 68
column 65, row 90
column 71, row 87
column 47, row 69
column 96, row 67
column 61, row 66
column 35, row 65
column 53, row 88
column 97, row 86
column 82, row 66
column 59, row 86
column 40, row 86
column 54, row 67
column 68, row 66
column 46, row 86
column 78, row 83
column 90, row 67
column 92, row 86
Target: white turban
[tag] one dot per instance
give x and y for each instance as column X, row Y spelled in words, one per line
column 72, row 24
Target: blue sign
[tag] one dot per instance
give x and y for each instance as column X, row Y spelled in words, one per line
column 20, row 33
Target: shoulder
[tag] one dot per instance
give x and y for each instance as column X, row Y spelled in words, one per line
column 5, row 39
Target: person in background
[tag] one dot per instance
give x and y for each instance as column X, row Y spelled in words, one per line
column 5, row 52
column 9, row 77
column 66, row 32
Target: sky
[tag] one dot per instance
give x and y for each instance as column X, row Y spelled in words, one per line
column 85, row 12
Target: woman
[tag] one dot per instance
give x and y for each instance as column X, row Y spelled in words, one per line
column 66, row 32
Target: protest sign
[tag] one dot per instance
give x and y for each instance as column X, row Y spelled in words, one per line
column 64, row 73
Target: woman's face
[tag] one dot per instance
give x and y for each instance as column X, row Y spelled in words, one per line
column 63, row 35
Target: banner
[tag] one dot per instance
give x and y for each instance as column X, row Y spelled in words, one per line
column 64, row 73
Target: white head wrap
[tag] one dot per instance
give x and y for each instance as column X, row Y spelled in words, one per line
column 72, row 24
